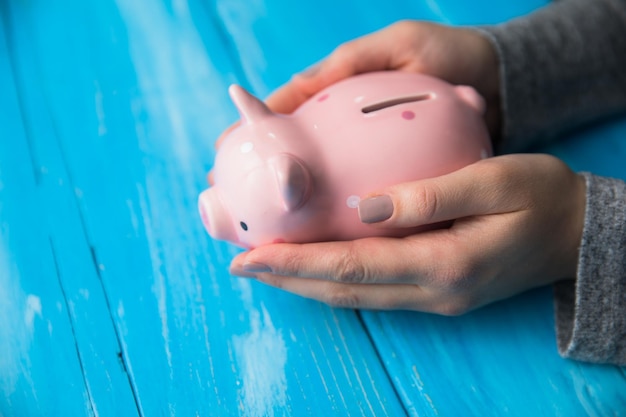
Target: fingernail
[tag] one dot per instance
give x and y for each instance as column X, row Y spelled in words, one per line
column 256, row 267
column 238, row 271
column 375, row 209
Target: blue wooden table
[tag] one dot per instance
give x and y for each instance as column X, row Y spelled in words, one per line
column 115, row 302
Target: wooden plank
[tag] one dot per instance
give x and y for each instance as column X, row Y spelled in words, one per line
column 67, row 284
column 135, row 93
column 36, row 342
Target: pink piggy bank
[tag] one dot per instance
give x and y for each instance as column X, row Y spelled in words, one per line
column 299, row 177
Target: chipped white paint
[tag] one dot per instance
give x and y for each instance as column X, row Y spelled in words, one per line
column 435, row 9
column 98, row 97
column 245, row 291
column 32, row 309
column 133, row 216
column 159, row 287
column 261, row 357
column 120, row 309
column 17, row 321
column 84, row 292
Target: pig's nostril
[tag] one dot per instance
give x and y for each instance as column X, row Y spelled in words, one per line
column 215, row 217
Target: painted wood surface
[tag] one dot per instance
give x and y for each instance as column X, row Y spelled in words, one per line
column 113, row 301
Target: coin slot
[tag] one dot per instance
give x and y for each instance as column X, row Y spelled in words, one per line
column 395, row 102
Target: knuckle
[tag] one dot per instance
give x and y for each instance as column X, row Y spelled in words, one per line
column 455, row 307
column 459, row 278
column 411, row 32
column 344, row 52
column 342, row 297
column 500, row 174
column 404, row 25
column 289, row 263
column 425, row 202
column 401, row 25
column 460, row 284
column 350, row 269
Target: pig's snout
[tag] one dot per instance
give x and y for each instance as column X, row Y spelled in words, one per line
column 216, row 219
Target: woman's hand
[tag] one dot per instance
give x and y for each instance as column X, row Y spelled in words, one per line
column 517, row 225
column 457, row 55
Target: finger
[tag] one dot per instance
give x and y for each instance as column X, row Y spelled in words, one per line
column 365, row 54
column 289, row 97
column 236, row 267
column 355, row 296
column 364, row 261
column 303, row 86
column 478, row 189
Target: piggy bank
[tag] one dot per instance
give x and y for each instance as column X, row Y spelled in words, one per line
column 300, row 177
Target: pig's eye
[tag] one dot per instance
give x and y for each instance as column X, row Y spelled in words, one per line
column 243, row 226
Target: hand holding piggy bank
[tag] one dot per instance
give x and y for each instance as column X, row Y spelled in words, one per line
column 300, row 177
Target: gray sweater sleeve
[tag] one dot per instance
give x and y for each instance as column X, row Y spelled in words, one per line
column 591, row 311
column 562, row 67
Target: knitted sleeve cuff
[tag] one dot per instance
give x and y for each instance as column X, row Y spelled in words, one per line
column 591, row 311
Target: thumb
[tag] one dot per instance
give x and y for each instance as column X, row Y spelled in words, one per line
column 474, row 190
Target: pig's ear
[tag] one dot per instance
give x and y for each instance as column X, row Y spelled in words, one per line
column 471, row 97
column 250, row 108
column 293, row 181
